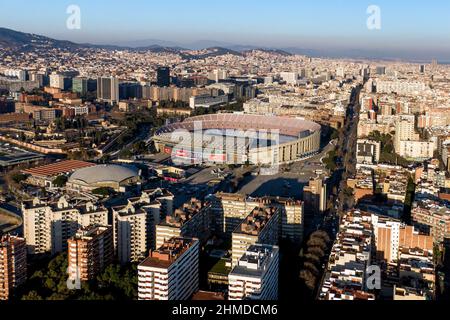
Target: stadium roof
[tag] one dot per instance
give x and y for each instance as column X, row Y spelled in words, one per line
column 285, row 125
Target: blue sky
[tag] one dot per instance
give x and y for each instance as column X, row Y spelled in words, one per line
column 408, row 24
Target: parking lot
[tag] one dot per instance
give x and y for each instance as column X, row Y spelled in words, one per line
column 290, row 179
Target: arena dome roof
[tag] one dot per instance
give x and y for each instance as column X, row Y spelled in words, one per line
column 104, row 173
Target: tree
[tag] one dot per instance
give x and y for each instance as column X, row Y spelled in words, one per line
column 49, row 282
column 19, row 177
column 322, row 235
column 60, row 181
column 330, row 160
column 317, row 251
column 139, row 147
column 309, row 279
column 105, row 192
column 312, row 258
column 31, row 296
column 317, row 242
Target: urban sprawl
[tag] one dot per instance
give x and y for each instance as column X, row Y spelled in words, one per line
column 100, row 199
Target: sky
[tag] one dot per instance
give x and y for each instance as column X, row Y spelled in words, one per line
column 406, row 25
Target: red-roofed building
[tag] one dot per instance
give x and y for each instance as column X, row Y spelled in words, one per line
column 43, row 176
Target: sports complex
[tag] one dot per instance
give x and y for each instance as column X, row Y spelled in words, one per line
column 239, row 138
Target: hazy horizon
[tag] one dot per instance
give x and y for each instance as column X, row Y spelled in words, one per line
column 409, row 29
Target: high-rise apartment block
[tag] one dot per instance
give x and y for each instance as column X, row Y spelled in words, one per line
column 171, row 272
column 57, row 81
column 405, row 130
column 231, row 209
column 261, row 226
column 90, row 251
column 134, row 224
column 13, row 265
column 315, row 196
column 191, row 220
column 83, row 85
column 255, row 276
column 48, row 224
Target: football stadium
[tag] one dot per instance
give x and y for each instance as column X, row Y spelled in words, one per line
column 239, row 138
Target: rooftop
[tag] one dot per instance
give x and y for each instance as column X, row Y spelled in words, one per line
column 255, row 260
column 103, row 173
column 168, row 253
column 58, row 168
column 256, row 220
column 185, row 213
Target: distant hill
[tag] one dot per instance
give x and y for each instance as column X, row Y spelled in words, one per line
column 16, row 39
column 27, row 41
column 20, row 40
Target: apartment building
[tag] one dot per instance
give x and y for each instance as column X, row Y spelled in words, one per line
column 416, row 276
column 90, row 251
column 408, row 143
column 130, row 233
column 292, row 218
column 170, row 272
column 315, row 196
column 351, row 254
column 134, row 224
column 13, row 265
column 191, row 220
column 418, row 150
column 368, row 151
column 391, row 236
column 49, row 223
column 405, row 130
column 262, row 226
column 433, row 217
column 401, row 87
column 230, row 210
column 255, row 276
column 57, row 81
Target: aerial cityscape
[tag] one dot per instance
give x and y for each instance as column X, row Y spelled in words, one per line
column 187, row 169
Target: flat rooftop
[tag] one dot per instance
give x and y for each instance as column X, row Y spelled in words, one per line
column 255, row 260
column 10, row 156
column 168, row 253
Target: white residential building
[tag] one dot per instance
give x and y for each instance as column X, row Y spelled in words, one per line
column 49, row 224
column 290, row 77
column 255, row 277
column 401, row 87
column 417, row 149
column 171, row 272
column 134, row 224
column 368, row 151
column 387, row 236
